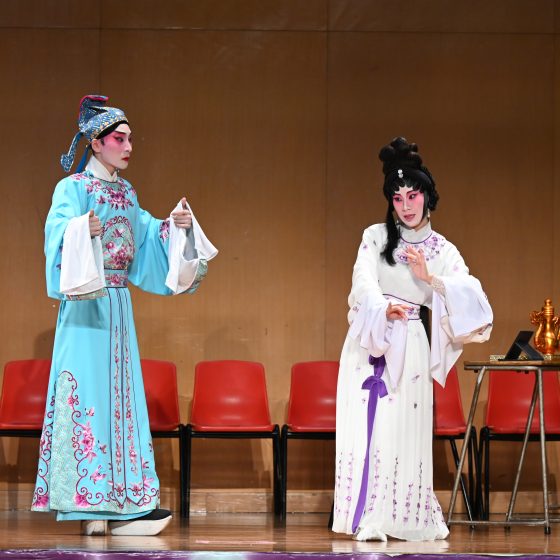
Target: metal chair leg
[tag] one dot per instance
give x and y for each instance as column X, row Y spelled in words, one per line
column 277, row 476
column 182, row 499
column 485, row 447
column 284, row 470
column 188, row 446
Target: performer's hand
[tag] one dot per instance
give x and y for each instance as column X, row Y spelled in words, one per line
column 182, row 218
column 396, row 311
column 95, row 227
column 417, row 263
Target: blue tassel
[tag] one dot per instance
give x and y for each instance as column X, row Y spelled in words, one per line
column 66, row 160
column 83, row 161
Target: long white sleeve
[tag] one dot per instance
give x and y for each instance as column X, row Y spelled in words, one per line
column 461, row 315
column 81, row 270
column 188, row 254
column 368, row 306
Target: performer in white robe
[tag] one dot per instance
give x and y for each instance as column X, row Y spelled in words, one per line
column 384, row 480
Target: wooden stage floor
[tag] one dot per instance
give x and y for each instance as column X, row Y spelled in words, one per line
column 259, row 532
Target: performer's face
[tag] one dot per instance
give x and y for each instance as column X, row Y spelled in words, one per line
column 409, row 206
column 114, row 150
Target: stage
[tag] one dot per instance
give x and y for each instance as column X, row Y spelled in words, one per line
column 28, row 535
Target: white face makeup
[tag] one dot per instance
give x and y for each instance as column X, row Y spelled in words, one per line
column 114, row 150
column 409, row 206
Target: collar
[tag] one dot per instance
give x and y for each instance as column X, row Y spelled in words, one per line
column 413, row 236
column 99, row 171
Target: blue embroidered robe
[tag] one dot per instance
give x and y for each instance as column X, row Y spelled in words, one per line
column 96, row 456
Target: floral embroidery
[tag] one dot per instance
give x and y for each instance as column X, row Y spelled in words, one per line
column 132, row 454
column 87, row 442
column 395, row 476
column 418, row 506
column 96, row 476
column 118, row 194
column 117, row 413
column 80, row 500
column 431, row 247
column 427, row 506
column 118, row 243
column 41, row 493
column 343, row 485
column 408, row 501
column 147, row 482
column 164, row 230
column 375, row 486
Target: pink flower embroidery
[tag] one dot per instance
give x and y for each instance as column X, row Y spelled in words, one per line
column 80, row 500
column 137, row 489
column 97, row 475
column 41, row 501
column 147, row 482
column 164, row 230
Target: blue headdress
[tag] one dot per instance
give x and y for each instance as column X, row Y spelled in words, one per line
column 94, row 117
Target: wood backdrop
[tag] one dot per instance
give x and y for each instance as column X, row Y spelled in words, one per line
column 268, row 115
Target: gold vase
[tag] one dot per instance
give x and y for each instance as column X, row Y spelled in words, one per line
column 546, row 337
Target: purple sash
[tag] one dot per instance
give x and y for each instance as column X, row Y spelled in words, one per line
column 377, row 390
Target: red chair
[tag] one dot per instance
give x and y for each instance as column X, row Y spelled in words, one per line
column 160, row 386
column 450, row 425
column 507, row 410
column 311, row 409
column 230, row 401
column 24, row 393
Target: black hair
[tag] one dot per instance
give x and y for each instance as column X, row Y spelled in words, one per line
column 403, row 167
column 109, row 129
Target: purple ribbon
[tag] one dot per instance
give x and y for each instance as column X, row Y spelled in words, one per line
column 377, row 390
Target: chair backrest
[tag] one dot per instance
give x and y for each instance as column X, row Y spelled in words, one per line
column 24, row 393
column 509, row 399
column 230, row 395
column 312, row 405
column 160, row 386
column 449, row 418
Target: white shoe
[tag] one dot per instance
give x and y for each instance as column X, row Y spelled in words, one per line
column 148, row 525
column 369, row 534
column 94, row 527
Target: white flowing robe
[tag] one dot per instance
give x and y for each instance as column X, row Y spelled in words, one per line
column 399, row 500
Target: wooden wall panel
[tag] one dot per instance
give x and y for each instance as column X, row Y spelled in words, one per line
column 50, row 13
column 215, row 14
column 443, row 16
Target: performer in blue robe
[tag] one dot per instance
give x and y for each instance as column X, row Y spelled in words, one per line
column 96, row 459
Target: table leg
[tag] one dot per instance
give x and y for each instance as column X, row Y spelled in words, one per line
column 523, row 449
column 543, row 454
column 465, row 444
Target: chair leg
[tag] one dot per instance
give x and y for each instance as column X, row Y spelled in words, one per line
column 284, row 470
column 470, row 483
column 188, row 446
column 463, row 486
column 182, row 498
column 474, row 473
column 485, row 448
column 277, row 476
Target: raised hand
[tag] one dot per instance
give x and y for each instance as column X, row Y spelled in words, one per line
column 95, row 227
column 396, row 311
column 417, row 263
column 182, row 218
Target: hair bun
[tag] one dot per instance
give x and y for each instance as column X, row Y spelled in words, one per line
column 399, row 153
